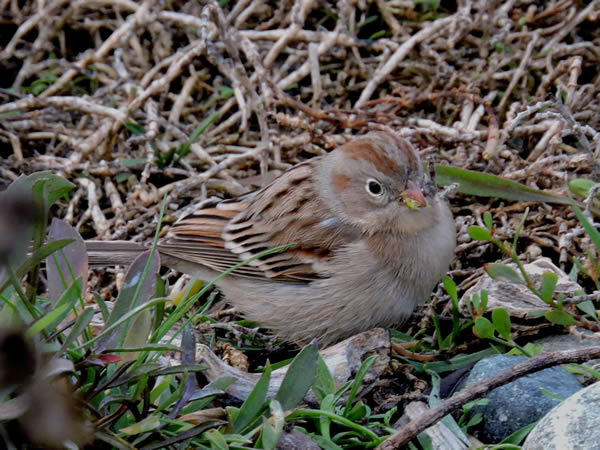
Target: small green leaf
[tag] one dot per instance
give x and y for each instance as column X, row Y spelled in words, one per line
column 580, row 369
column 484, row 301
column 503, row 272
column 327, row 405
column 474, row 304
column 299, row 378
column 131, row 162
column 69, row 298
column 367, row 21
column 474, row 420
column 560, row 317
column 107, row 331
column 137, row 334
column 411, row 204
column 324, row 383
column 438, row 332
column 377, row 35
column 254, row 404
column 549, row 280
column 216, row 439
column 587, row 226
column 122, row 177
column 56, row 314
column 135, row 128
column 530, row 348
column 102, row 307
column 360, row 374
column 38, row 88
column 184, row 149
column 552, row 395
column 225, row 92
column 536, row 313
column 138, row 287
column 581, row 187
column 358, row 411
column 519, row 436
column 80, row 325
column 588, row 308
column 69, row 263
column 479, row 233
column 148, row 424
column 425, row 441
column 271, row 433
column 201, row 128
column 520, row 227
column 55, row 187
column 501, row 321
column 450, row 287
column 573, row 272
column 487, row 219
column 483, row 328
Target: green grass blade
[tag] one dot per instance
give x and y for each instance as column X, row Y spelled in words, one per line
column 487, row 185
column 587, row 226
column 255, row 402
column 299, row 378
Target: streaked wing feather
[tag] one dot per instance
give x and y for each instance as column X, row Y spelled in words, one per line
column 236, row 230
column 198, row 238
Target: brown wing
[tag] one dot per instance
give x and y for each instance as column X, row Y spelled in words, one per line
column 284, row 212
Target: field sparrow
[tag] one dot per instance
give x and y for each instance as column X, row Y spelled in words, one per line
column 372, row 240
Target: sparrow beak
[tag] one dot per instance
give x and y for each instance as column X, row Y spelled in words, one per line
column 413, row 196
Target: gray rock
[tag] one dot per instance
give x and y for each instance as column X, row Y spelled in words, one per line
column 520, row 402
column 571, row 425
column 295, row 440
column 562, row 342
column 518, row 299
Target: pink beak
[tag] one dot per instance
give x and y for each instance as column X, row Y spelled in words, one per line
column 414, row 192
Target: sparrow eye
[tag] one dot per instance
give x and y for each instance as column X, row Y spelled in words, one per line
column 374, row 187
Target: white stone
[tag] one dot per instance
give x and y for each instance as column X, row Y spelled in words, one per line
column 572, row 425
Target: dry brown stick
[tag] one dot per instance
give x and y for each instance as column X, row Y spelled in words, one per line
column 28, row 25
column 184, row 57
column 299, row 12
column 548, row 142
column 520, row 70
column 237, row 10
column 132, row 21
column 542, row 361
column 183, row 96
column 574, row 72
column 304, row 69
column 315, row 72
column 228, row 161
column 64, row 102
column 401, row 53
column 243, row 16
column 16, row 146
column 233, row 68
column 570, row 25
column 309, row 36
column 98, row 217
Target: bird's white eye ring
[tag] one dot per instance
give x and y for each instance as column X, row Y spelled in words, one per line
column 374, row 187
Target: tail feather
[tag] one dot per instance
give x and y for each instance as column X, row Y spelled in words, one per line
column 112, row 253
